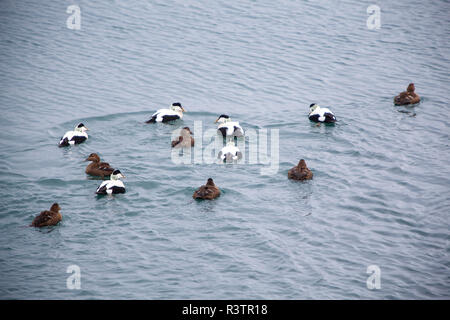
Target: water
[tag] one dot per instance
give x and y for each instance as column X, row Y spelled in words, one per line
column 380, row 193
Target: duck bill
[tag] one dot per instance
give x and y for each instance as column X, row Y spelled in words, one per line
column 122, row 176
column 182, row 109
column 216, row 121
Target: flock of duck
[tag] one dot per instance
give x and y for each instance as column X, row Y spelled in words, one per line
column 230, row 130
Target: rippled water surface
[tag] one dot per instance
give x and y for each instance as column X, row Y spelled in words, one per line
column 380, row 193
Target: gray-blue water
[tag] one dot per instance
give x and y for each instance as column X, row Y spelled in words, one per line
column 380, row 193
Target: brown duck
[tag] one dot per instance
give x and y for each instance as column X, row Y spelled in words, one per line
column 407, row 97
column 184, row 140
column 300, row 172
column 97, row 168
column 48, row 218
column 209, row 191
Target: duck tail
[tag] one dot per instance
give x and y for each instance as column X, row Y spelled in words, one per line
column 330, row 118
column 64, row 142
column 177, row 142
column 101, row 190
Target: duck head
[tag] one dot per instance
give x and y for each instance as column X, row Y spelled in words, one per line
column 302, row 165
column 313, row 106
column 210, row 182
column 55, row 207
column 411, row 87
column 223, row 118
column 93, row 157
column 81, row 128
column 177, row 107
column 116, row 175
column 186, row 129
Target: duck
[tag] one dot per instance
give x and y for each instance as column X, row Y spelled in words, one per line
column 208, row 191
column 318, row 114
column 48, row 217
column 229, row 128
column 230, row 152
column 184, row 140
column 97, row 168
column 112, row 186
column 175, row 112
column 300, row 172
column 407, row 97
column 78, row 135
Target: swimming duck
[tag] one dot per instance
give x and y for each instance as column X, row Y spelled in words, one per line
column 300, row 172
column 230, row 152
column 48, row 217
column 78, row 135
column 184, row 140
column 97, row 168
column 407, row 97
column 112, row 186
column 318, row 114
column 208, row 191
column 175, row 112
column 229, row 128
